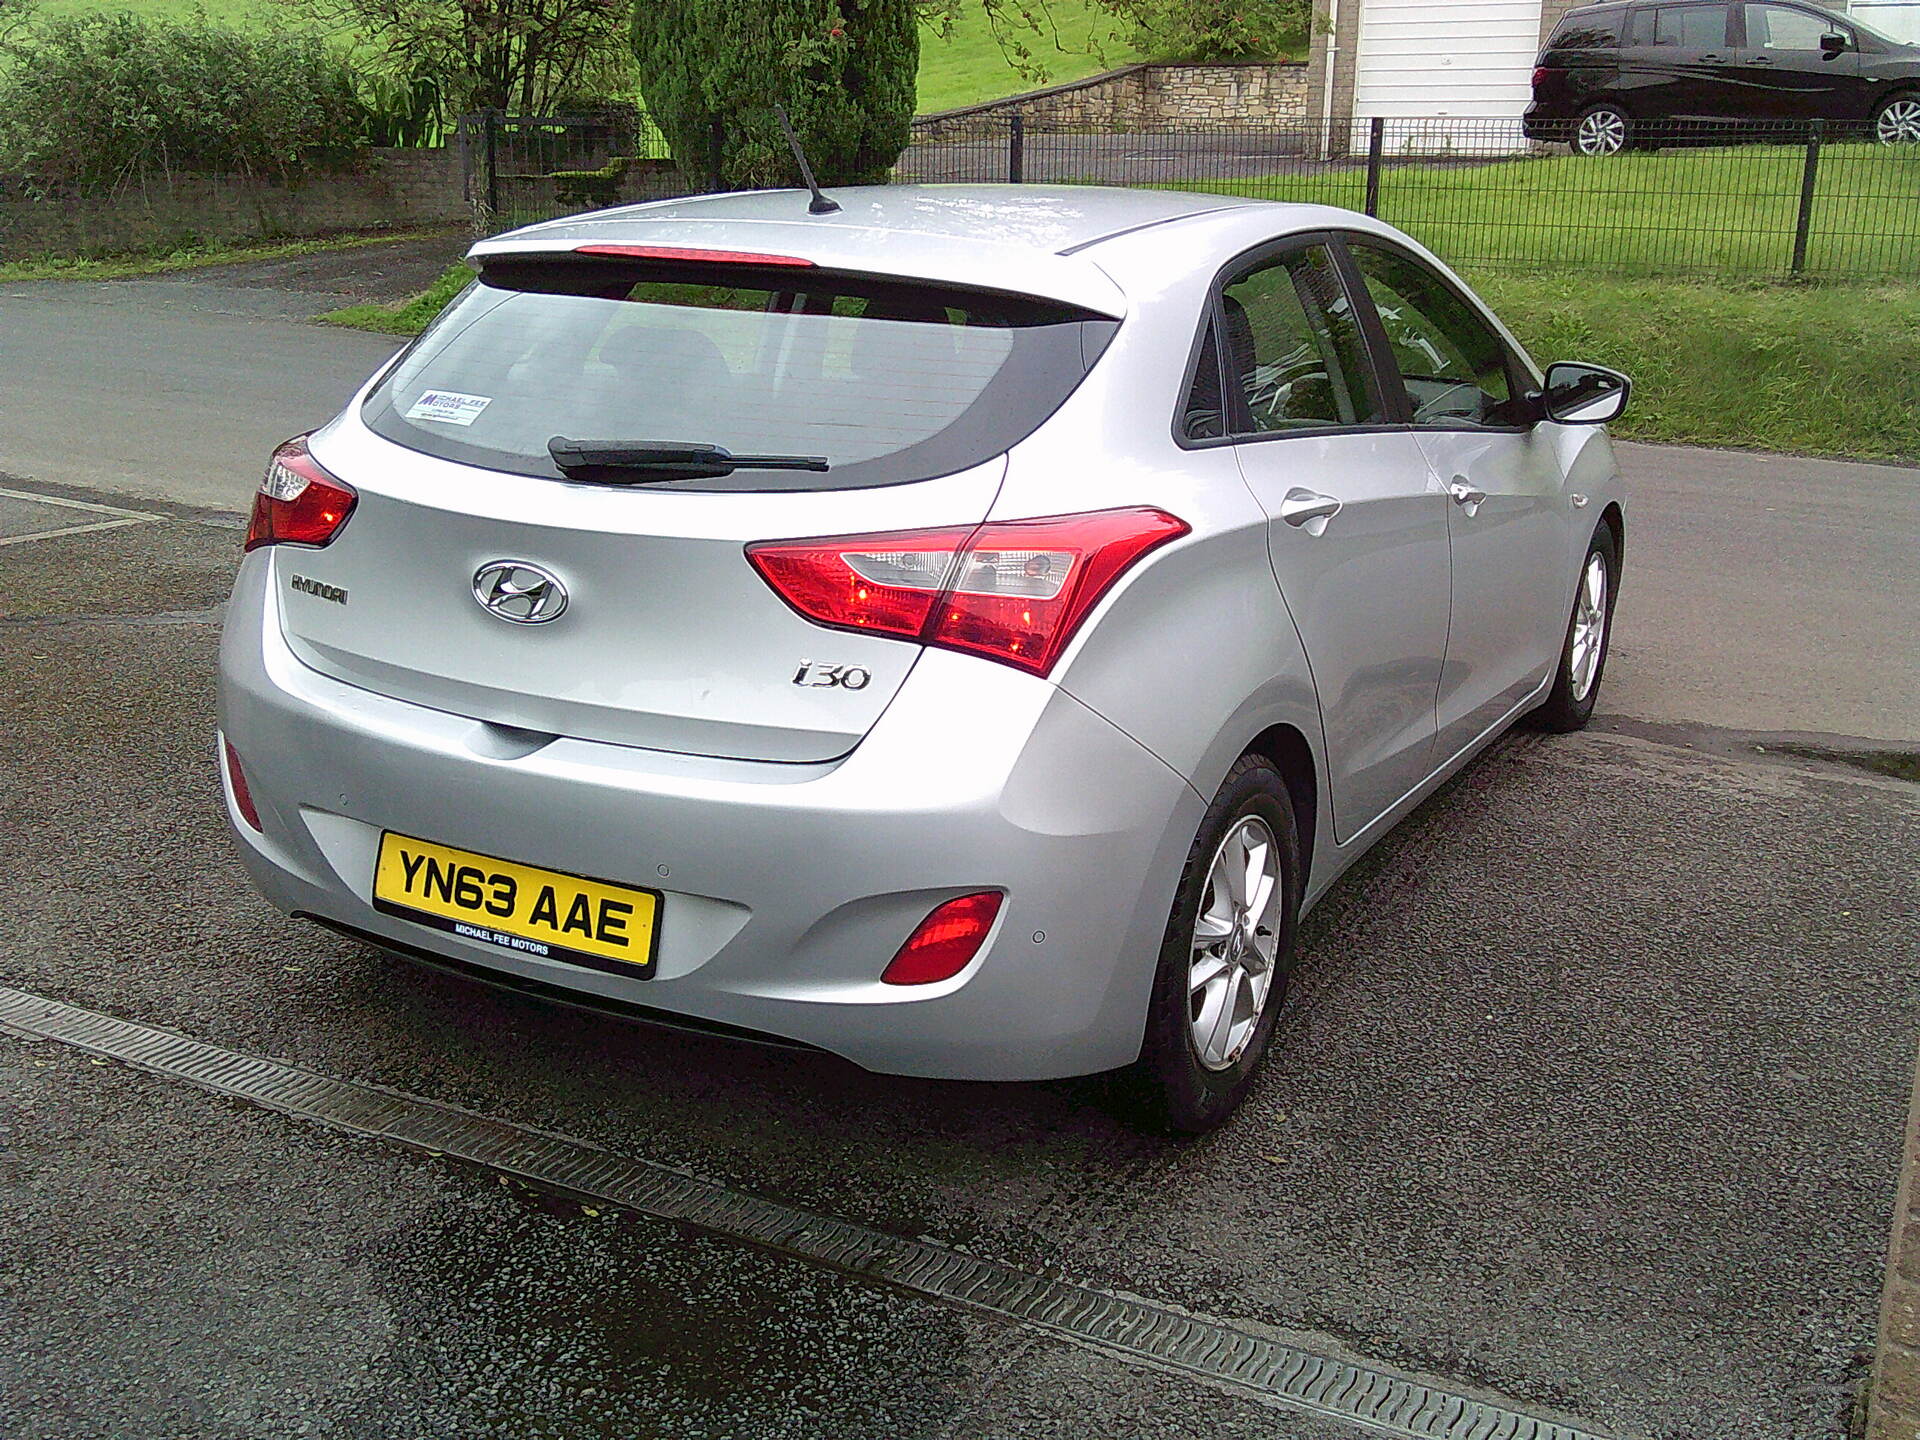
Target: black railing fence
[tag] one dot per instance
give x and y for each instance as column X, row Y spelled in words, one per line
column 1787, row 197
column 523, row 168
column 1776, row 198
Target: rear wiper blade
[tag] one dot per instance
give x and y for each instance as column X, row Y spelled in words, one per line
column 638, row 461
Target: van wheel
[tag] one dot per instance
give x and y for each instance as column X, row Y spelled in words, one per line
column 1897, row 121
column 1602, row 130
column 1583, row 654
column 1224, row 962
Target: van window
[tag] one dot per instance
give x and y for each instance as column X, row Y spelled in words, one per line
column 1580, row 30
column 1779, row 27
column 1681, row 27
column 888, row 381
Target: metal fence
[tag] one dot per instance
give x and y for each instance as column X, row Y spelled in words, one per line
column 1781, row 198
column 524, row 168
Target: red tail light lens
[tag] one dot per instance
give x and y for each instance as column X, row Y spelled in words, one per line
column 945, row 941
column 1541, row 75
column 298, row 503
column 1014, row 591
column 242, row 798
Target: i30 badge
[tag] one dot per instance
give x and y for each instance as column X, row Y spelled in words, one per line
column 519, row 592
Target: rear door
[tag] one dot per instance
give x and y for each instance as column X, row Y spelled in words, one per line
column 1677, row 63
column 1506, row 508
column 1787, row 73
column 1357, row 528
column 669, row 639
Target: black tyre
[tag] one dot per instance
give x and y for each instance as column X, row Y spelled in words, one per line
column 1897, row 121
column 1583, row 654
column 1601, row 130
column 1223, row 966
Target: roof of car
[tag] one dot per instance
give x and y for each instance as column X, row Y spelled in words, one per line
column 1056, row 218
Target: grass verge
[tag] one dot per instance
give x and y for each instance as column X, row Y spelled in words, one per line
column 190, row 257
column 1809, row 369
column 1725, row 211
column 409, row 317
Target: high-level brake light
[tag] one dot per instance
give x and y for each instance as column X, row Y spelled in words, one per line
column 298, row 503
column 1014, row 591
column 691, row 257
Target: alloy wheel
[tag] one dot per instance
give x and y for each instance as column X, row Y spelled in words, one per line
column 1236, row 944
column 1899, row 123
column 1602, row 132
column 1589, row 627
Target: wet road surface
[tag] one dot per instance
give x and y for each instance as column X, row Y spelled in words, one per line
column 1588, row 1096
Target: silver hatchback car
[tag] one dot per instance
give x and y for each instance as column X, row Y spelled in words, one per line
column 961, row 633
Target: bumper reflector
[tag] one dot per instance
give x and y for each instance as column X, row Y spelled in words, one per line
column 237, row 778
column 945, row 941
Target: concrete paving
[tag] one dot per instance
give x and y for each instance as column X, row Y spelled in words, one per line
column 1589, row 1092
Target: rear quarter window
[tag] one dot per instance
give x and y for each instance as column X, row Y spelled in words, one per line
column 889, row 381
column 1581, row 31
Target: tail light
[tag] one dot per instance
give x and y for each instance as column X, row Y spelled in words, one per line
column 1014, row 591
column 1542, row 74
column 298, row 503
column 945, row 941
column 242, row 797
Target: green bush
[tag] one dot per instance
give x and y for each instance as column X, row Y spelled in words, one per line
column 108, row 97
column 844, row 70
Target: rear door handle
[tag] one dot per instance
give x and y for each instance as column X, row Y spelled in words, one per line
column 1465, row 495
column 1308, row 511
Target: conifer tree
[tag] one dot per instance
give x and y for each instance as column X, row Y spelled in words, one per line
column 844, row 70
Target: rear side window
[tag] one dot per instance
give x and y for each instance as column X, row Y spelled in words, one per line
column 1681, row 27
column 1293, row 352
column 1582, row 31
column 889, row 382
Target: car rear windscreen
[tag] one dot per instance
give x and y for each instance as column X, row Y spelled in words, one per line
column 887, row 381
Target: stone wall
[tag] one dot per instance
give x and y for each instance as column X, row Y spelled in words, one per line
column 1139, row 97
column 399, row 188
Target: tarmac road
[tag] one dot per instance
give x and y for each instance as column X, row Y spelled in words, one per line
column 1588, row 1095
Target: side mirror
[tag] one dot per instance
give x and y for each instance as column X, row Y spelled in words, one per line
column 1577, row 393
column 1832, row 44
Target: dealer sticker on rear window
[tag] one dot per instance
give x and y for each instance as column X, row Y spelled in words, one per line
column 449, row 407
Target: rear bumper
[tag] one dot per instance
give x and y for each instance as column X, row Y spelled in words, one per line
column 1547, row 121
column 787, row 887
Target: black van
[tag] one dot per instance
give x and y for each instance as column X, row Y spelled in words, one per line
column 1615, row 75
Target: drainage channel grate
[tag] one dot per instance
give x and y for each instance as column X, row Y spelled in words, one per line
column 1326, row 1384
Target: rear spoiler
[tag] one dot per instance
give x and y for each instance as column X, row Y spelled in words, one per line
column 970, row 264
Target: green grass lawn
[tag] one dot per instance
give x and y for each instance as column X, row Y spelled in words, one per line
column 1813, row 369
column 1078, row 39
column 1675, row 212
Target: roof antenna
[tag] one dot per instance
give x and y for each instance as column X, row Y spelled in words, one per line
column 821, row 204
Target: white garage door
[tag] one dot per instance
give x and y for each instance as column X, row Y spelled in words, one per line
column 1447, row 58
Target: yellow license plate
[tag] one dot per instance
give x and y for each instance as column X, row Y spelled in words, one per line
column 520, row 908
